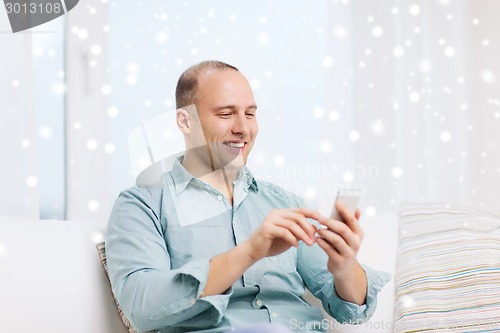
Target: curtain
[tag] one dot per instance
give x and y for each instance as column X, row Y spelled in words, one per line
column 18, row 171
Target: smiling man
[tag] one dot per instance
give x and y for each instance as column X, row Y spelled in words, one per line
column 215, row 250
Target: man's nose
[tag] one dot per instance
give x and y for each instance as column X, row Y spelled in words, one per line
column 240, row 125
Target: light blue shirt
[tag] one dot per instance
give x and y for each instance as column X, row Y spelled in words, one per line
column 160, row 240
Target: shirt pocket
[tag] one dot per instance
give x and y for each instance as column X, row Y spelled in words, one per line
column 286, row 261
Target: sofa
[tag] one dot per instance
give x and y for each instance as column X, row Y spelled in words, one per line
column 52, row 280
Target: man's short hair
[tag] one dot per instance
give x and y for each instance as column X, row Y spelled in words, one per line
column 187, row 86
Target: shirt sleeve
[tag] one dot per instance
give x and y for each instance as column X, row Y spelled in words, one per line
column 320, row 282
column 151, row 294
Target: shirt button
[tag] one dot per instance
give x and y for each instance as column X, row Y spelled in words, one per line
column 274, row 314
column 219, row 197
column 259, row 302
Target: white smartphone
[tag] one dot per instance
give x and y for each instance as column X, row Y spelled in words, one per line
column 349, row 198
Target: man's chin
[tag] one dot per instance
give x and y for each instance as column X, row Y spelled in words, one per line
column 232, row 163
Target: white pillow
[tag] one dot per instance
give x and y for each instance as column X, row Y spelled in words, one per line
column 447, row 269
column 101, row 248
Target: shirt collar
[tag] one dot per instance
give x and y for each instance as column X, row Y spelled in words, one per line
column 182, row 178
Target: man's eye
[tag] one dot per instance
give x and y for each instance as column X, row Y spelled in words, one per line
column 224, row 114
column 250, row 115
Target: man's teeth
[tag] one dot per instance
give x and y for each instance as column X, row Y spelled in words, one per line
column 235, row 144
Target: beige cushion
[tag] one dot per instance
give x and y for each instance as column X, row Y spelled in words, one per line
column 447, row 269
column 102, row 256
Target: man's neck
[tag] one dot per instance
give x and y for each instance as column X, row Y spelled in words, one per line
column 221, row 178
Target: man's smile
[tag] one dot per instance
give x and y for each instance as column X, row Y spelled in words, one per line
column 234, row 144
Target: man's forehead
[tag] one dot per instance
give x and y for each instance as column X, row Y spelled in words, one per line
column 218, row 74
column 225, row 88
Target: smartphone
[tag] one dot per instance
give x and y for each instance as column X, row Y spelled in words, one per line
column 349, row 198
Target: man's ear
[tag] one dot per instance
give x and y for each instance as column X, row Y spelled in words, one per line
column 183, row 120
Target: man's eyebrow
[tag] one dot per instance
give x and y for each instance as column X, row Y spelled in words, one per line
column 233, row 107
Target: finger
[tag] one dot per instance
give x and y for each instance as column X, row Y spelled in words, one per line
column 348, row 218
column 341, row 229
column 352, row 239
column 330, row 251
column 290, row 223
column 285, row 235
column 309, row 213
column 336, row 242
column 300, row 216
column 303, row 221
column 357, row 214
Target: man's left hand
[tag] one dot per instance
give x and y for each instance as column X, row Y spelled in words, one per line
column 341, row 242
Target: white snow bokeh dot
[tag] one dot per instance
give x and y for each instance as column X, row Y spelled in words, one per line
column 327, row 61
column 109, row 148
column 310, row 193
column 414, row 97
column 425, row 66
column 334, row 116
column 354, row 135
column 106, row 89
column 255, row 84
column 398, row 51
column 93, row 205
column 112, row 111
column 414, row 10
column 161, row 37
column 445, row 136
column 488, row 76
column 37, row 51
column 407, row 301
column 263, row 38
column 279, row 160
column 92, row 144
column 319, row 112
column 377, row 31
column 370, row 211
column 449, row 51
column 45, row 132
column 326, row 146
column 31, row 181
column 396, row 172
column 378, row 127
column 82, row 33
column 348, row 176
column 95, row 50
column 340, row 32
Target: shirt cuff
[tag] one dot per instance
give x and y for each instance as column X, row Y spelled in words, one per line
column 355, row 314
column 198, row 269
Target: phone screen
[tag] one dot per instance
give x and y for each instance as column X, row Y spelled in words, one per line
column 349, row 199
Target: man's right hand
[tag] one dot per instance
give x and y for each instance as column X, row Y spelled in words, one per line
column 281, row 229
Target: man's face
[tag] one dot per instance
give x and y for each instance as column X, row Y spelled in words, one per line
column 226, row 109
